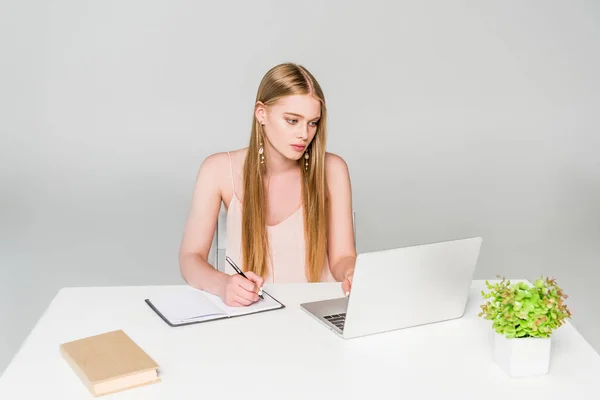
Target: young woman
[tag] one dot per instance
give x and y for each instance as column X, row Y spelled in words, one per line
column 289, row 203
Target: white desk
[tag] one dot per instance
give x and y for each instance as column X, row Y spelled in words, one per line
column 285, row 354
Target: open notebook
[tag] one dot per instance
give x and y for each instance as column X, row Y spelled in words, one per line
column 188, row 305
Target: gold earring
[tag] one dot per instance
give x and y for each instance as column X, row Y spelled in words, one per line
column 260, row 152
column 306, row 161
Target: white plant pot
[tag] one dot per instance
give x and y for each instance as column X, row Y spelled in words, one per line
column 521, row 357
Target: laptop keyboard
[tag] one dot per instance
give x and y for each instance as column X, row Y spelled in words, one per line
column 337, row 320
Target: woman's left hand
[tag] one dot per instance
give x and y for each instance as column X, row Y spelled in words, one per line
column 347, row 282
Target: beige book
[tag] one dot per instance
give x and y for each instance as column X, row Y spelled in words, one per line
column 110, row 362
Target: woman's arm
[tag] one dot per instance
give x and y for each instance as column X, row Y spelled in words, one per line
column 340, row 236
column 200, row 228
column 198, row 235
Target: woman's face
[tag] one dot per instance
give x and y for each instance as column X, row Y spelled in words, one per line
column 290, row 124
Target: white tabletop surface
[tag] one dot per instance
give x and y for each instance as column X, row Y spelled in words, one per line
column 285, row 354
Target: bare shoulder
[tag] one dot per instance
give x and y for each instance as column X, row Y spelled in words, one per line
column 213, row 166
column 338, row 176
column 238, row 157
column 215, row 172
column 335, row 166
column 218, row 164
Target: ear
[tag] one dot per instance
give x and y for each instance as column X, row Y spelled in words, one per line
column 260, row 112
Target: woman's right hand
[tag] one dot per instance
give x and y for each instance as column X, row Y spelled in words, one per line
column 238, row 291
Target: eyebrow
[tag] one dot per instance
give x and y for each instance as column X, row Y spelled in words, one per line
column 300, row 116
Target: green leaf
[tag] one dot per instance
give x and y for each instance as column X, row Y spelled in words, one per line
column 539, row 283
column 528, row 306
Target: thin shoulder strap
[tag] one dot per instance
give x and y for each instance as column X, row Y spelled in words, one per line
column 231, row 173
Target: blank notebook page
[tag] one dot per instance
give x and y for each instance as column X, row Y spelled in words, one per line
column 186, row 304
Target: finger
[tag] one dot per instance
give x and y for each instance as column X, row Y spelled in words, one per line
column 247, row 295
column 257, row 279
column 230, row 303
column 241, row 300
column 235, row 304
column 247, row 284
column 346, row 286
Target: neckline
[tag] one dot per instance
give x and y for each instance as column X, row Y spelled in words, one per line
column 268, row 226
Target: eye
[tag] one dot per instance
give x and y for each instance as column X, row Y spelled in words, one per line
column 315, row 123
column 292, row 121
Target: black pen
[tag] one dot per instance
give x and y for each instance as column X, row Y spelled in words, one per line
column 239, row 271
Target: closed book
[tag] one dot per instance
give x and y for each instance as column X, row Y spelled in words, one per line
column 110, row 362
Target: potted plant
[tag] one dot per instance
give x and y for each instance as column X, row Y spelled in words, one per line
column 524, row 317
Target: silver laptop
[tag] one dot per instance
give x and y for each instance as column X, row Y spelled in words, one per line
column 401, row 288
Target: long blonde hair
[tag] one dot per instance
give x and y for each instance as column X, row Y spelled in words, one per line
column 280, row 81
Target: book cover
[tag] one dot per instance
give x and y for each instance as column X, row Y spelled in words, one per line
column 110, row 362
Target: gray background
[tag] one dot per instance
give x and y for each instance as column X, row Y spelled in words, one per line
column 456, row 119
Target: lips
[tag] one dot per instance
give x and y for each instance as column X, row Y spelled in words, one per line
column 298, row 147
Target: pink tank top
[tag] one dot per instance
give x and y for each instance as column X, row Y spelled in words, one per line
column 286, row 241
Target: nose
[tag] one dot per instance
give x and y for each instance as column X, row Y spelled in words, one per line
column 303, row 132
